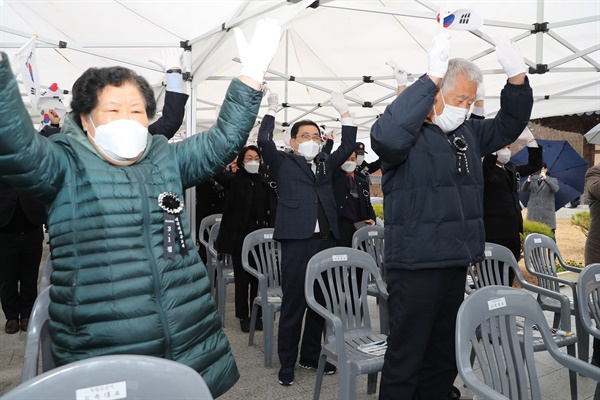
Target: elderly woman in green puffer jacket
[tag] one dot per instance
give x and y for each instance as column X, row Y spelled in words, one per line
column 124, row 281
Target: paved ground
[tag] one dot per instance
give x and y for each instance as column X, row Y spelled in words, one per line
column 257, row 382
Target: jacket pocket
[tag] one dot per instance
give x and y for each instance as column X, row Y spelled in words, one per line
column 289, row 203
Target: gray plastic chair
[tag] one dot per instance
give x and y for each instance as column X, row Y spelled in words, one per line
column 223, row 270
column 203, row 238
column 37, row 338
column 115, row 377
column 333, row 272
column 588, row 296
column 507, row 369
column 487, row 273
column 265, row 253
column 370, row 239
column 541, row 256
column 47, row 270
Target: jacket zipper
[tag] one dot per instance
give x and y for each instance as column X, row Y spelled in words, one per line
column 147, row 244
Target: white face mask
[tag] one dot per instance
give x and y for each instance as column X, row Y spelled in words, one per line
column 120, row 140
column 452, row 117
column 360, row 159
column 349, row 166
column 503, row 156
column 309, row 149
column 252, row 167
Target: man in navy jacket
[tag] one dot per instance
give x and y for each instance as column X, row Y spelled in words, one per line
column 433, row 188
column 305, row 224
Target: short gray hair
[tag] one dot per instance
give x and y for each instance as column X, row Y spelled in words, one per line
column 460, row 66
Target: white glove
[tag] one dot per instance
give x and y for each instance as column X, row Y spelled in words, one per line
column 398, row 73
column 439, row 52
column 171, row 61
column 339, row 102
column 527, row 138
column 273, row 101
column 257, row 55
column 509, row 56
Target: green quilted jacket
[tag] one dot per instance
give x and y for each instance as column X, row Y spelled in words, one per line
column 113, row 292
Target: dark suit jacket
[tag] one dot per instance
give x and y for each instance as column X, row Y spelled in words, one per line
column 298, row 188
column 341, row 191
column 34, row 210
column 501, row 208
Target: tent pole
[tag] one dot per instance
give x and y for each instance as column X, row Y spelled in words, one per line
column 286, row 83
column 574, row 49
column 539, row 39
column 190, row 126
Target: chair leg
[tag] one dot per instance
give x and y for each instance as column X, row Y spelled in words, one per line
column 347, row 383
column 319, row 381
column 268, row 333
column 252, row 324
column 583, row 340
column 371, row 383
column 572, row 374
column 556, row 320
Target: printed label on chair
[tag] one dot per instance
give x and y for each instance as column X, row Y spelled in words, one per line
column 496, row 303
column 268, row 236
column 341, row 257
column 597, row 277
column 111, row 391
column 373, row 233
column 538, row 240
column 488, row 253
column 218, row 219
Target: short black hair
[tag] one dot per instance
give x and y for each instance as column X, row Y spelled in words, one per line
column 299, row 124
column 90, row 84
column 544, row 165
column 242, row 154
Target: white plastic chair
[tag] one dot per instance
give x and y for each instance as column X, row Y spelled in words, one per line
column 541, row 256
column 44, row 280
column 204, row 238
column 265, row 254
column 349, row 338
column 370, row 239
column 115, row 377
column 588, row 296
column 223, row 270
column 505, row 363
column 37, row 338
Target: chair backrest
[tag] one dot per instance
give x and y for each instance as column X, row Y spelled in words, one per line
column 488, row 271
column 507, row 369
column 204, row 230
column 47, row 270
column 115, row 377
column 588, row 294
column 541, row 254
column 333, row 272
column 370, row 239
column 260, row 250
column 37, row 338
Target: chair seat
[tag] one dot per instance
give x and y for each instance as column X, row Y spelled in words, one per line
column 360, row 362
column 550, row 304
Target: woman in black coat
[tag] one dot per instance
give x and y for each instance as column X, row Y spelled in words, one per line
column 250, row 203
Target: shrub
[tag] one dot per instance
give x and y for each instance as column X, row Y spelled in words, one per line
column 582, row 221
column 535, row 227
column 378, row 208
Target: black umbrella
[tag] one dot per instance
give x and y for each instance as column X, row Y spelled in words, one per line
column 564, row 164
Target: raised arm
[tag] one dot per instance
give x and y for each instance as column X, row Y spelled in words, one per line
column 268, row 149
column 348, row 144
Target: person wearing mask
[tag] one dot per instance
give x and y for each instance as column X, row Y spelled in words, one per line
column 352, row 198
column 592, row 242
column 21, row 241
column 502, row 215
column 541, row 205
column 250, row 204
column 306, row 223
column 127, row 279
column 433, row 187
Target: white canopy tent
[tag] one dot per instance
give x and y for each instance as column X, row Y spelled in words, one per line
column 336, row 46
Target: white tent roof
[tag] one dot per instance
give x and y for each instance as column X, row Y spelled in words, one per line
column 326, row 49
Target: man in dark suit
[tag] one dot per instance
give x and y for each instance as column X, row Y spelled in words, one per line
column 306, row 223
column 21, row 238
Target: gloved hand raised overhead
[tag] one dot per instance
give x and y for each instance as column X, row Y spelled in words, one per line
column 438, row 56
column 509, row 56
column 171, row 63
column 339, row 103
column 398, row 73
column 273, row 101
column 257, row 54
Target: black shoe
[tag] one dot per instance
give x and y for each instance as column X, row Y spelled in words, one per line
column 12, row 326
column 454, row 393
column 286, row 376
column 330, row 369
column 245, row 324
column 259, row 325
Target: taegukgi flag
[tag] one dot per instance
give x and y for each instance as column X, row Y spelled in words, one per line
column 29, row 72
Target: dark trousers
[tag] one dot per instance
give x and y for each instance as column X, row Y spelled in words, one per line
column 420, row 359
column 295, row 255
column 19, row 268
column 243, row 282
